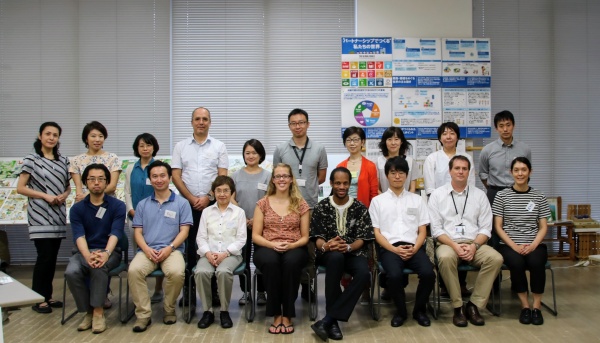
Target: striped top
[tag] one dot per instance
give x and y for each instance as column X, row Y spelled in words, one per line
column 521, row 212
column 50, row 177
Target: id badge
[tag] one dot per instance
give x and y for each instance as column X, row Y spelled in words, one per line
column 100, row 212
column 170, row 214
column 459, row 229
column 301, row 182
column 261, row 187
column 148, row 182
column 530, row 206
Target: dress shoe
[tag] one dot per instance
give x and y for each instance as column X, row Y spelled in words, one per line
column 98, row 324
column 86, row 323
column 321, row 330
column 459, row 318
column 472, row 313
column 207, row 319
column 536, row 317
column 226, row 321
column 335, row 332
column 397, row 320
column 422, row 318
column 141, row 324
column 525, row 317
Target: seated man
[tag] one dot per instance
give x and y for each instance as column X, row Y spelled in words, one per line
column 399, row 221
column 341, row 228
column 161, row 225
column 97, row 223
column 461, row 220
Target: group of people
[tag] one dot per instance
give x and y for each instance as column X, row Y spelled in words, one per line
column 213, row 221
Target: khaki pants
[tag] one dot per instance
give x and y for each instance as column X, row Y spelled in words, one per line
column 173, row 268
column 224, row 273
column 489, row 262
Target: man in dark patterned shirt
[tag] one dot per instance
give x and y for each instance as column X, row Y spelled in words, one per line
column 341, row 228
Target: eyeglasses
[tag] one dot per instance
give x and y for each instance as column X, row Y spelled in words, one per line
column 223, row 191
column 297, row 123
column 282, row 177
column 396, row 173
column 96, row 179
column 353, row 140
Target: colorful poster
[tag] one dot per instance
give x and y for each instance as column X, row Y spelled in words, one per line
column 368, row 108
column 417, row 62
column 470, row 108
column 366, row 62
column 418, row 111
column 466, row 62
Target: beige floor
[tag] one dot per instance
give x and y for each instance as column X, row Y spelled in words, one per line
column 578, row 320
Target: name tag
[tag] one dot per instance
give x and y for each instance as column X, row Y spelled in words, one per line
column 301, row 182
column 148, row 182
column 412, row 211
column 262, row 187
column 459, row 229
column 100, row 212
column 530, row 206
column 170, row 214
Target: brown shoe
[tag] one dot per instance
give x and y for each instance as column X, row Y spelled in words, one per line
column 170, row 318
column 98, row 324
column 459, row 318
column 473, row 314
column 86, row 323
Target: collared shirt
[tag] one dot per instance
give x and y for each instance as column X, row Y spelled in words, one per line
column 447, row 219
column 137, row 184
column 161, row 223
column 314, row 160
column 222, row 231
column 96, row 225
column 199, row 163
column 413, row 173
column 398, row 217
column 495, row 160
column 436, row 171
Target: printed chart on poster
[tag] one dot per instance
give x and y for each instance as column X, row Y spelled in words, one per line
column 466, row 62
column 417, row 62
column 366, row 62
column 418, row 111
column 470, row 108
column 368, row 108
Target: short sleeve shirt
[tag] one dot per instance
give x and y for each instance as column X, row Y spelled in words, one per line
column 278, row 228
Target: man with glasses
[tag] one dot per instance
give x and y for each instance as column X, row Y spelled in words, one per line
column 308, row 160
column 399, row 220
column 97, row 223
column 196, row 162
column 161, row 225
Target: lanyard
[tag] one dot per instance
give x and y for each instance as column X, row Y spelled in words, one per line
column 465, row 206
column 301, row 158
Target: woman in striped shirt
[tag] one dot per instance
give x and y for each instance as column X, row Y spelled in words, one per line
column 45, row 180
column 520, row 220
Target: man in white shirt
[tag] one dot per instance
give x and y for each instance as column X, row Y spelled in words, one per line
column 196, row 162
column 461, row 221
column 399, row 220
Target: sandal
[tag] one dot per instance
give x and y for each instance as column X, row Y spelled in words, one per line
column 39, row 308
column 55, row 303
column 277, row 327
column 285, row 329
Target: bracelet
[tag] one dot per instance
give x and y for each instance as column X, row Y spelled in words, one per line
column 323, row 247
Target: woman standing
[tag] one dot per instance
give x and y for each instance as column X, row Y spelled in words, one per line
column 251, row 184
column 44, row 180
column 392, row 144
column 435, row 168
column 138, row 187
column 520, row 220
column 280, row 233
column 93, row 136
column 364, row 185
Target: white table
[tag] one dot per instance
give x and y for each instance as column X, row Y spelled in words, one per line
column 15, row 294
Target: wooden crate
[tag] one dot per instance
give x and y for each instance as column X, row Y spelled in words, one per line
column 588, row 242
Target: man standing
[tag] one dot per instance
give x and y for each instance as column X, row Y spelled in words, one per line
column 97, row 223
column 399, row 221
column 308, row 160
column 495, row 158
column 461, row 221
column 196, row 163
column 161, row 225
column 342, row 229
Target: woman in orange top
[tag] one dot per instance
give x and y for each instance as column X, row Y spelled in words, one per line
column 364, row 185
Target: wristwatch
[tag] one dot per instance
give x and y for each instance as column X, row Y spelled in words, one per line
column 210, row 196
column 349, row 248
column 477, row 246
column 106, row 251
column 172, row 247
column 323, row 247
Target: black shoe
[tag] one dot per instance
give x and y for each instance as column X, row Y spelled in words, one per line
column 321, row 330
column 422, row 318
column 525, row 317
column 305, row 291
column 459, row 318
column 226, row 322
column 397, row 321
column 207, row 319
column 335, row 332
column 216, row 302
column 536, row 317
column 42, row 309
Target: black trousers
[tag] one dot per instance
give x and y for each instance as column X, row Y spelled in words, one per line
column 339, row 305
column 282, row 272
column 394, row 266
column 535, row 262
column 45, row 266
column 247, row 254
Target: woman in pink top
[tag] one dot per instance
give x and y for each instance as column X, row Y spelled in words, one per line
column 280, row 234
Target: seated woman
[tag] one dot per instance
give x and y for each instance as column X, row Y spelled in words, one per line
column 520, row 220
column 280, row 233
column 221, row 237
